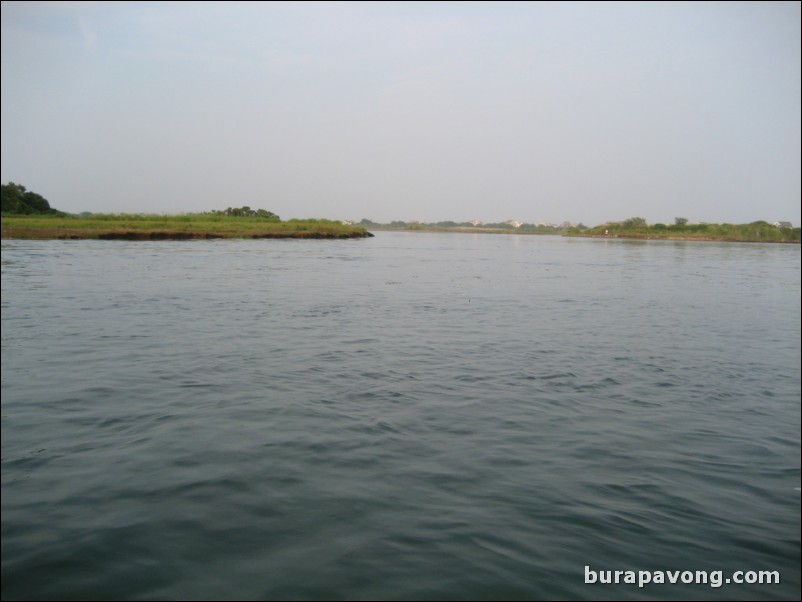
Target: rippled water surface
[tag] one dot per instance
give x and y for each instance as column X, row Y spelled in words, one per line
column 413, row 416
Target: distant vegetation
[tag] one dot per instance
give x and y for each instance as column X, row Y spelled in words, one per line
column 171, row 227
column 636, row 227
column 247, row 212
column 15, row 199
column 28, row 215
column 509, row 227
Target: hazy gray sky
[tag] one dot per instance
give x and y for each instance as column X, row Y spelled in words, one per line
column 407, row 111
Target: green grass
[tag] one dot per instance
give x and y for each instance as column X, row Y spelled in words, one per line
column 754, row 232
column 191, row 225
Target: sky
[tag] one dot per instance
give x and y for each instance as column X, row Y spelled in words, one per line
column 428, row 111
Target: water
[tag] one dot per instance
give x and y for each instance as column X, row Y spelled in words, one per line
column 413, row 416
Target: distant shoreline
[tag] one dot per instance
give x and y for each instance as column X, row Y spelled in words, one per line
column 764, row 234
column 194, row 227
column 207, row 227
column 676, row 238
column 31, row 234
column 638, row 229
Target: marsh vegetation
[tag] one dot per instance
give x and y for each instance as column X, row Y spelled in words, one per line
column 165, row 227
column 637, row 227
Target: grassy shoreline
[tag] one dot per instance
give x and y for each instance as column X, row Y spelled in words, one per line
column 679, row 238
column 171, row 227
column 212, row 226
column 754, row 232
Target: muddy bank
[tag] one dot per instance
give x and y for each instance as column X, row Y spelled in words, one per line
column 133, row 235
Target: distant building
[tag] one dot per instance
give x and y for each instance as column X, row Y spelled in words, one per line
column 347, row 222
column 514, row 223
column 475, row 222
column 783, row 225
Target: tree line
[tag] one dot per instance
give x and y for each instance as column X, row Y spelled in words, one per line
column 15, row 199
column 246, row 212
column 18, row 200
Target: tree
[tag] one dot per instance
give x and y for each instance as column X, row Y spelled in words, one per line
column 247, row 212
column 635, row 222
column 266, row 214
column 16, row 199
column 680, row 221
